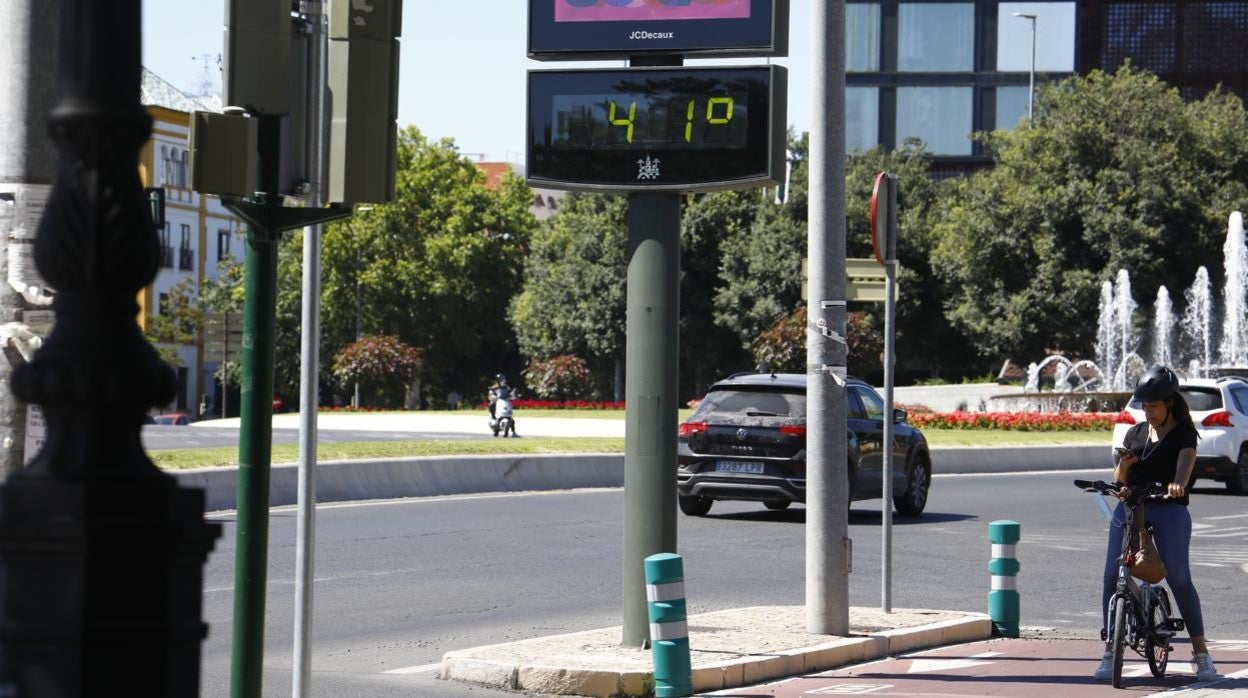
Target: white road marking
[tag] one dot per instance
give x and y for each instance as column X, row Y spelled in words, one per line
column 1063, row 547
column 1229, row 516
column 1237, row 532
column 924, row 666
column 1207, row 564
column 421, row 669
column 1199, row 526
column 848, row 689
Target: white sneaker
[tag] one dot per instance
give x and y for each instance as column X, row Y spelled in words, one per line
column 1105, row 672
column 1202, row 663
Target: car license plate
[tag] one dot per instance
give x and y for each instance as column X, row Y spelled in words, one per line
column 738, row 466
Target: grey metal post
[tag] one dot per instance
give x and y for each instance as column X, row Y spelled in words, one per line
column 886, row 539
column 310, row 349
column 1031, row 75
column 828, row 550
column 28, row 160
column 650, row 395
column 355, row 400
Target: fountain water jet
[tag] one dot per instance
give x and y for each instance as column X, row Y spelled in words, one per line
column 1197, row 323
column 1234, row 348
column 1163, row 327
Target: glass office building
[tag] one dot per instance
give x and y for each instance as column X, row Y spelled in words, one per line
column 937, row 71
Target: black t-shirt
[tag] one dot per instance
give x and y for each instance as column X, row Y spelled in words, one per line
column 1158, row 459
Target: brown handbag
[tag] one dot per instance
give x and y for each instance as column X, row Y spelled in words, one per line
column 1146, row 564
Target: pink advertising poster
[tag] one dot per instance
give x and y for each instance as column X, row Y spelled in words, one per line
column 626, row 10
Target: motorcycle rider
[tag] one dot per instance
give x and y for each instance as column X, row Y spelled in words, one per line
column 497, row 390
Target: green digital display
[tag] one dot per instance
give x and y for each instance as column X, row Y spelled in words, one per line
column 656, row 128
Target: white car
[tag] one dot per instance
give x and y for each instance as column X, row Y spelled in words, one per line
column 1220, row 410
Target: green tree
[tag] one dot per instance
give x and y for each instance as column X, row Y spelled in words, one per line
column 760, row 259
column 176, row 323
column 224, row 294
column 1117, row 172
column 574, row 293
column 436, row 267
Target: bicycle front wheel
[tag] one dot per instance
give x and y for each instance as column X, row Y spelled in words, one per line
column 1157, row 646
column 1119, row 638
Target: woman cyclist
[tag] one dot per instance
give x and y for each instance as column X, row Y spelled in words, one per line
column 1161, row 449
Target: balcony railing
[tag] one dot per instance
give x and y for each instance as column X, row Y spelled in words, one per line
column 186, row 259
column 166, row 256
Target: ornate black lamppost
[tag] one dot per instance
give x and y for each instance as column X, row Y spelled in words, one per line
column 101, row 554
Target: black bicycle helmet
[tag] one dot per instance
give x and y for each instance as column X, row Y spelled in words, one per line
column 1156, row 385
column 500, row 379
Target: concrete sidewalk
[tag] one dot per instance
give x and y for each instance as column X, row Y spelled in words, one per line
column 728, row 649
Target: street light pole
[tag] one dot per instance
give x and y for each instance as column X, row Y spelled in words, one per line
column 358, row 263
column 1031, row 75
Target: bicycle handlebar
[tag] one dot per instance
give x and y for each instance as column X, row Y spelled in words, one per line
column 1155, row 490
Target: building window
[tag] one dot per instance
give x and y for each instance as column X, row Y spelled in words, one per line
column 1220, row 20
column 162, row 305
column 166, row 249
column 862, row 118
column 862, row 37
column 936, row 37
column 223, row 244
column 186, row 256
column 938, row 116
column 182, row 170
column 1142, row 32
column 1055, row 37
column 166, row 165
column 1011, row 106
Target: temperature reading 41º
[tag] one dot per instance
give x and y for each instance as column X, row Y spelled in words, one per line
column 717, row 112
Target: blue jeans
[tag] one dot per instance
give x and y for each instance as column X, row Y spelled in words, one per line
column 1172, row 533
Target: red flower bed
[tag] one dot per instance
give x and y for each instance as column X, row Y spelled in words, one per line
column 1016, row 421
column 560, row 405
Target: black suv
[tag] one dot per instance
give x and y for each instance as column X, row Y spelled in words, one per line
column 746, row 441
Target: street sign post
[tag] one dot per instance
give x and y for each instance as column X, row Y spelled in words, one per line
column 884, row 243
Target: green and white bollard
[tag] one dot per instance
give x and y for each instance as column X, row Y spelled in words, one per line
column 1003, row 599
column 669, row 633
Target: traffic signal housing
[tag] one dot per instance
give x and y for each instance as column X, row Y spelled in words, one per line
column 363, row 96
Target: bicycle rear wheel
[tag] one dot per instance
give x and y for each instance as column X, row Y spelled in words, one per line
column 1119, row 638
column 1157, row 646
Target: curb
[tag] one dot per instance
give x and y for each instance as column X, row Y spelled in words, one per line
column 339, row 481
column 459, row 665
column 431, row 476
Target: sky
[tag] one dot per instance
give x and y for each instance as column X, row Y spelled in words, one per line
column 462, row 66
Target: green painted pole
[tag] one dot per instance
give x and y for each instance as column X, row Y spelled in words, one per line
column 256, row 427
column 650, row 396
column 1003, row 602
column 669, row 626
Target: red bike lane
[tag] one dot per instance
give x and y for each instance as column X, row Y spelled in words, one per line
column 1012, row 668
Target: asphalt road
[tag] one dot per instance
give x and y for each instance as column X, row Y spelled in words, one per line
column 401, row 582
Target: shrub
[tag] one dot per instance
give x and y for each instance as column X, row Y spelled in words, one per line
column 383, row 366
column 558, row 378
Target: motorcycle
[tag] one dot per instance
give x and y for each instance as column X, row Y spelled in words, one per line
column 503, row 420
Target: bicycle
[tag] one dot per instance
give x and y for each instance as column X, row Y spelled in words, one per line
column 1140, row 613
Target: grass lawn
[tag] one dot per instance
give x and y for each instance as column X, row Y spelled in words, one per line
column 177, row 459
column 207, row 457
